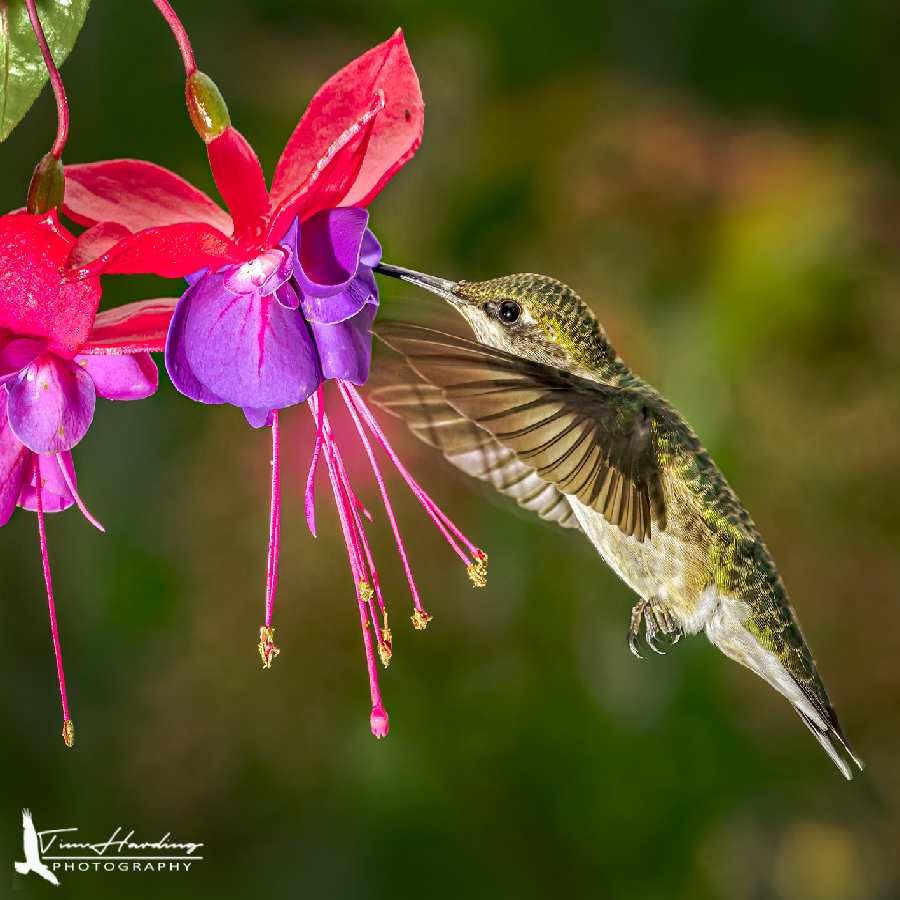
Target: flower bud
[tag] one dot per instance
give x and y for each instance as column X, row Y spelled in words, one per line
column 378, row 721
column 48, row 183
column 206, row 106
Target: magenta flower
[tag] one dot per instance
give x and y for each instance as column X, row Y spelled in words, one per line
column 56, row 357
column 281, row 295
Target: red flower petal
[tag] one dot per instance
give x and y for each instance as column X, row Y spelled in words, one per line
column 37, row 296
column 239, row 178
column 137, row 195
column 133, row 328
column 96, row 241
column 172, row 251
column 380, row 148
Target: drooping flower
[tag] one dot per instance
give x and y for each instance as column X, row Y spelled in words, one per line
column 281, row 295
column 56, row 357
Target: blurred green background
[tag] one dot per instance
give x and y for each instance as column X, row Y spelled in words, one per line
column 722, row 182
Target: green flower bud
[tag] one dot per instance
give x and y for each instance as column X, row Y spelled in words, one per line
column 206, row 106
column 48, row 184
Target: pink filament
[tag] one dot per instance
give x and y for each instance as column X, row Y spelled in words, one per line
column 382, row 488
column 357, row 565
column 440, row 519
column 274, row 522
column 180, row 34
column 59, row 91
column 48, row 582
column 73, row 490
column 310, row 497
column 362, row 542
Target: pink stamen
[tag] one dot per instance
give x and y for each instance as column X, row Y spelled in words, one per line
column 378, row 719
column 68, row 730
column 180, row 34
column 267, row 649
column 310, row 496
column 385, row 499
column 368, row 584
column 443, row 522
column 363, row 550
column 59, row 91
column 73, row 490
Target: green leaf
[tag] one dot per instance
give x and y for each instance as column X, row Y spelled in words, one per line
column 22, row 70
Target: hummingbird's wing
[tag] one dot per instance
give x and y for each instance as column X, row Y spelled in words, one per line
column 467, row 446
column 591, row 441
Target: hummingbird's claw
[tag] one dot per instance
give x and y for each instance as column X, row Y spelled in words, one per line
column 632, row 645
column 634, row 628
column 657, row 621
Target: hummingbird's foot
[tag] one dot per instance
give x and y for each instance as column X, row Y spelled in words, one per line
column 657, row 620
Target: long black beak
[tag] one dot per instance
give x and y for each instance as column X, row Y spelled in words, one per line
column 439, row 286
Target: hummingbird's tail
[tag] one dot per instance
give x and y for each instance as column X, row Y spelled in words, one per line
column 726, row 628
column 833, row 743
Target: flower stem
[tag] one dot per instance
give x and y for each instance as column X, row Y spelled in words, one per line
column 267, row 649
column 59, row 91
column 180, row 35
column 68, row 730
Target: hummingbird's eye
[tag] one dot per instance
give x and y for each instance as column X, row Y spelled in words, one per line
column 509, row 311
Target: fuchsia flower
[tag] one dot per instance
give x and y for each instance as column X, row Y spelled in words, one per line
column 281, row 295
column 56, row 357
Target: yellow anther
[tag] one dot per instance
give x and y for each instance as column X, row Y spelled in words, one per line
column 420, row 619
column 267, row 649
column 68, row 733
column 478, row 570
column 385, row 651
column 365, row 591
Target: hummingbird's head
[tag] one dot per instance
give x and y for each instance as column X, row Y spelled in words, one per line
column 532, row 316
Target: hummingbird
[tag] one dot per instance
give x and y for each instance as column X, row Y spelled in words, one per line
column 540, row 406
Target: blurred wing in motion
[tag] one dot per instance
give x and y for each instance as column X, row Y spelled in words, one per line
column 587, row 440
column 470, row 448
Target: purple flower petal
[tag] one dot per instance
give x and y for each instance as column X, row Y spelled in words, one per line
column 370, row 251
column 18, row 353
column 125, row 377
column 14, row 459
column 247, row 349
column 345, row 348
column 194, row 277
column 51, row 405
column 55, row 493
column 287, row 296
column 328, row 250
column 345, row 304
column 177, row 364
column 258, row 418
column 263, row 274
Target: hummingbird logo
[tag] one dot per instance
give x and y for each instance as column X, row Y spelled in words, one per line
column 33, row 861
